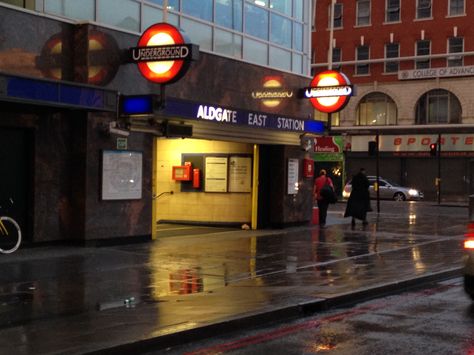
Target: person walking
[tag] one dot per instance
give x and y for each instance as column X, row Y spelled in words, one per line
column 323, row 203
column 358, row 203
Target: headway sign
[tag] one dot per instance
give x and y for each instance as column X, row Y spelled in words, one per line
column 330, row 91
column 231, row 116
column 162, row 55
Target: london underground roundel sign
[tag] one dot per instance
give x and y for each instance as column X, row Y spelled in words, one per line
column 162, row 55
column 330, row 91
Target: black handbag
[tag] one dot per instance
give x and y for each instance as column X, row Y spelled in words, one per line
column 328, row 194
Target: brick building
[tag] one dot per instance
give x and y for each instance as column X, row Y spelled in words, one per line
column 412, row 64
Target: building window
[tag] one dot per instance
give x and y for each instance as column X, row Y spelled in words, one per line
column 392, row 50
column 336, row 58
column 126, row 14
column 423, row 9
column 337, row 15
column 456, row 7
column 229, row 14
column 198, row 8
column 376, row 109
column 324, row 117
column 422, row 48
column 363, row 13
column 362, row 54
column 256, row 21
column 438, row 106
column 172, row 4
column 455, row 45
column 392, row 13
column 298, row 36
column 27, row 4
column 280, row 31
column 283, row 6
column 85, row 10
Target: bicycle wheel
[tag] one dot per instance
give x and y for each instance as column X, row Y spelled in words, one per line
column 10, row 235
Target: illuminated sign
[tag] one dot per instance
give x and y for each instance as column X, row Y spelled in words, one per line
column 138, row 104
column 251, row 119
column 102, row 58
column 272, row 94
column 326, row 145
column 162, row 55
column 330, row 91
column 452, row 144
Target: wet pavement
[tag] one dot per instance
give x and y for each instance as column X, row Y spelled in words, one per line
column 196, row 281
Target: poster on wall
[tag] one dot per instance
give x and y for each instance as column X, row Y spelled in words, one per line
column 215, row 174
column 121, row 175
column 293, row 176
column 240, row 174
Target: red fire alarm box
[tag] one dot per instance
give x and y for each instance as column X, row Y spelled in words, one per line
column 196, row 178
column 308, row 168
column 182, row 173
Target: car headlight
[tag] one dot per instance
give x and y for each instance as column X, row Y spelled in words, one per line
column 413, row 192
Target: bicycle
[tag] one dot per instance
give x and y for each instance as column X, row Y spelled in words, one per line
column 10, row 234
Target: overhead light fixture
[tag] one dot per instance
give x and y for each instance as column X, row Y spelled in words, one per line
column 260, row 3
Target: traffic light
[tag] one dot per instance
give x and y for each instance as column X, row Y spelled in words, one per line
column 372, row 148
column 433, row 149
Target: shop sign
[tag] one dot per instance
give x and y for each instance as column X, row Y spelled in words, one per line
column 431, row 73
column 329, row 92
column 416, row 143
column 326, row 145
column 272, row 93
column 252, row 119
column 328, row 148
column 162, row 55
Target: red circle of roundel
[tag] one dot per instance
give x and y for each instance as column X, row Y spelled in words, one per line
column 150, row 32
column 334, row 78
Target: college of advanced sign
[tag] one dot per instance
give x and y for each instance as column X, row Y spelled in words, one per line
column 435, row 73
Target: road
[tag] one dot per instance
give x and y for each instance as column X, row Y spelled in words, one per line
column 437, row 319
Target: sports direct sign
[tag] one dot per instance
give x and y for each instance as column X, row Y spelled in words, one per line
column 162, row 55
column 330, row 91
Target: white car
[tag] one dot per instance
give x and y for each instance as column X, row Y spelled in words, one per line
column 387, row 190
column 468, row 259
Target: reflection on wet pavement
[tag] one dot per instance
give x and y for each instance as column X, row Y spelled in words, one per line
column 182, row 281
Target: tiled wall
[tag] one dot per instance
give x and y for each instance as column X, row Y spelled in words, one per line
column 196, row 206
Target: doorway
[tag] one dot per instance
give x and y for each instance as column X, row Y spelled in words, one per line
column 14, row 173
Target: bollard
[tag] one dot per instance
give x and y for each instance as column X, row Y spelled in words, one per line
column 315, row 218
column 471, row 208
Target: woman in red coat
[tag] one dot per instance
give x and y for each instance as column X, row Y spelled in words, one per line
column 323, row 204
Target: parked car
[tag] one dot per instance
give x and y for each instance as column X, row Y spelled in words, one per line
column 468, row 260
column 387, row 190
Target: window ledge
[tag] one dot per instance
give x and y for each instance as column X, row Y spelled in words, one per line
column 391, row 22
column 361, row 26
column 424, row 19
column 458, row 15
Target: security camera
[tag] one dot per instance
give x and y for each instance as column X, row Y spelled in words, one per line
column 115, row 129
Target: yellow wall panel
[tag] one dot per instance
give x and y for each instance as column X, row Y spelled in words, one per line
column 197, row 206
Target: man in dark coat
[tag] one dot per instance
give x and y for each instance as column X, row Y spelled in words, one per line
column 358, row 203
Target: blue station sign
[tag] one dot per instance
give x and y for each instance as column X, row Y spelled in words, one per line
column 251, row 119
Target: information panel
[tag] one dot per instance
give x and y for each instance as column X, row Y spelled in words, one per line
column 216, row 174
column 293, row 176
column 240, row 174
column 121, row 175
